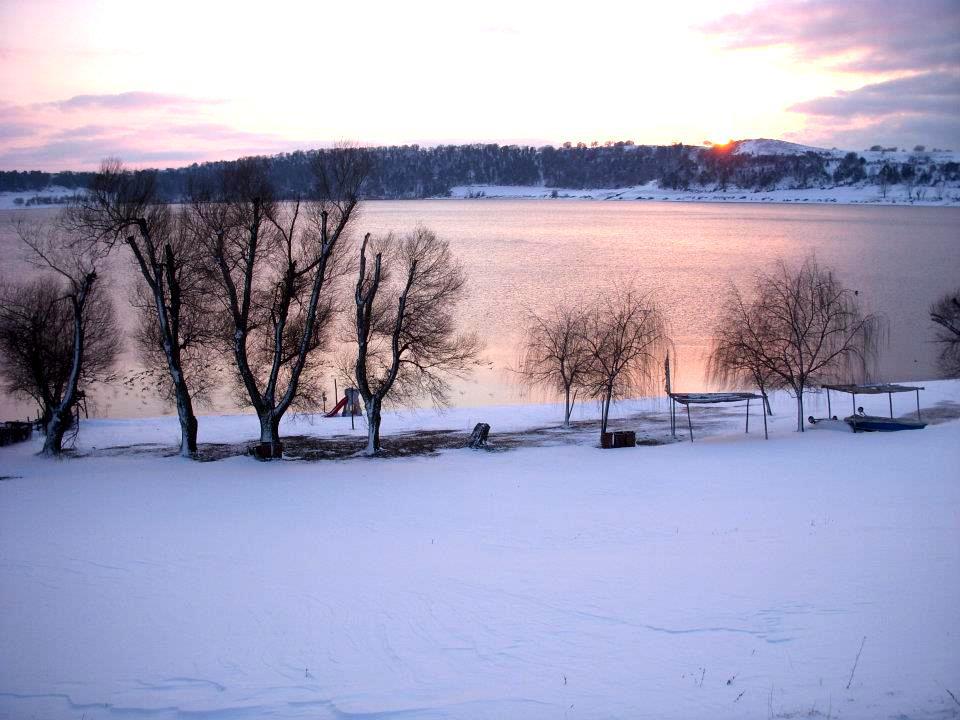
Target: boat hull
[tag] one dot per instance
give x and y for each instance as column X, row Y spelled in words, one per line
column 872, row 423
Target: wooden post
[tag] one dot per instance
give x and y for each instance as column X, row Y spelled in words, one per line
column 765, row 436
column 829, row 411
column 853, row 399
column 918, row 404
column 689, row 423
column 669, row 387
column 890, row 398
column 748, row 416
column 336, row 395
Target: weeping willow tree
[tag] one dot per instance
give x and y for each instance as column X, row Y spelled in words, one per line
column 945, row 313
column 554, row 355
column 800, row 328
column 626, row 339
column 737, row 356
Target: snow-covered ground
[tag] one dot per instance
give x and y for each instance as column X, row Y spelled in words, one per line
column 811, row 575
column 843, row 195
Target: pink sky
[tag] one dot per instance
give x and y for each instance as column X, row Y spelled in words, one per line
column 167, row 84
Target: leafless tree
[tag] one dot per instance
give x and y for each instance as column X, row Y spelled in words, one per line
column 737, row 354
column 198, row 329
column 122, row 206
column 554, row 354
column 945, row 312
column 626, row 338
column 407, row 338
column 36, row 341
column 275, row 265
column 89, row 323
column 805, row 328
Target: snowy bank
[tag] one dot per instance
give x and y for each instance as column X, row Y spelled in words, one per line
column 841, row 195
column 730, row 578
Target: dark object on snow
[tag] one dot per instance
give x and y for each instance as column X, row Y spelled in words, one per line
column 478, row 438
column 267, row 451
column 618, row 439
column 14, row 432
column 873, row 423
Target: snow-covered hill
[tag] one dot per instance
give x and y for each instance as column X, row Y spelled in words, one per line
column 765, row 146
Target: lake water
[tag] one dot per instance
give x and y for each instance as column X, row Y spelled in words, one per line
column 528, row 253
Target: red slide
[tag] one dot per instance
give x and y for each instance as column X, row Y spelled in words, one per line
column 337, row 409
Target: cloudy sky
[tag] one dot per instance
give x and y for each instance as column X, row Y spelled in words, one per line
column 171, row 82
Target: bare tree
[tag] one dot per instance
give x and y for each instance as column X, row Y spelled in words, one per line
column 123, row 206
column 805, row 328
column 274, row 265
column 626, row 338
column 36, row 341
column 737, row 355
column 945, row 312
column 75, row 263
column 554, row 353
column 407, row 339
column 198, row 329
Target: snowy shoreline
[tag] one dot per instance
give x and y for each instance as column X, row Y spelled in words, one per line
column 897, row 195
column 865, row 195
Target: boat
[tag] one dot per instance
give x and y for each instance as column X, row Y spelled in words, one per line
column 861, row 422
column 874, row 423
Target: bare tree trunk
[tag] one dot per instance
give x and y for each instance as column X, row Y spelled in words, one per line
column 800, row 425
column 46, row 418
column 373, row 425
column 62, row 415
column 53, row 443
column 270, row 428
column 188, row 421
column 158, row 275
column 605, row 413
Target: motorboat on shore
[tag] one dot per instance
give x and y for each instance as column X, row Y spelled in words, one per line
column 874, row 423
column 861, row 422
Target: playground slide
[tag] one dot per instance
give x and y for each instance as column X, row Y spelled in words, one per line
column 337, row 409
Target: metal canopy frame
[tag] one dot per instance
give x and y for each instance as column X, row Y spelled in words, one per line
column 887, row 389
column 689, row 399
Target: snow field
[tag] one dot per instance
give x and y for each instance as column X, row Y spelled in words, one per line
column 731, row 578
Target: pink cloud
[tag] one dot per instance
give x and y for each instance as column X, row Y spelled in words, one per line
column 134, row 100
column 139, row 127
column 920, row 41
column 882, row 36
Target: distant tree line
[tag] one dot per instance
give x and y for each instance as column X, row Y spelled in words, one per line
column 411, row 171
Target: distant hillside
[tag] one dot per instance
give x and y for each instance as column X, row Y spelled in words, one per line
column 764, row 146
column 410, row 171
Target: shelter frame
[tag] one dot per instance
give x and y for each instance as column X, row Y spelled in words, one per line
column 689, row 399
column 887, row 389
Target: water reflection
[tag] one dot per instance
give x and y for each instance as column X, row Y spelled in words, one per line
column 528, row 253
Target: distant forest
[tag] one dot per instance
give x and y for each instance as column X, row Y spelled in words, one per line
column 411, row 171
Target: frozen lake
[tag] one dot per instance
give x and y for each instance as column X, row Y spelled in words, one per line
column 528, row 252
